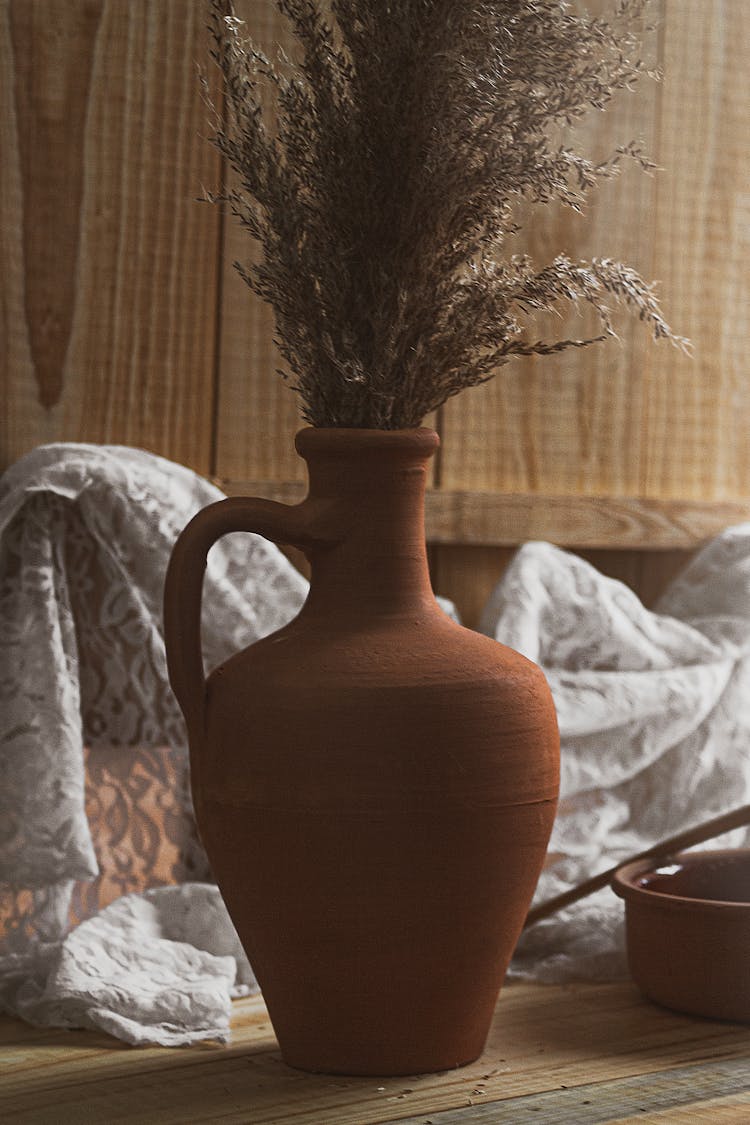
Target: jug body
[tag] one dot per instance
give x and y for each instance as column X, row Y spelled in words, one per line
column 375, row 786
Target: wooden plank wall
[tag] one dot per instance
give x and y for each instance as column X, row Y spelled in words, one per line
column 109, row 267
column 123, row 320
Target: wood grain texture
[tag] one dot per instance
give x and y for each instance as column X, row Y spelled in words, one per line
column 571, row 422
column 623, row 1099
column 576, row 1053
column 113, row 277
column 644, row 419
column 473, row 536
column 108, row 263
column 257, row 414
column 638, row 419
column 698, row 411
column 55, row 109
column 500, row 519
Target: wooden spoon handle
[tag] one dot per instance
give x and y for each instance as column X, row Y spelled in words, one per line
column 737, row 818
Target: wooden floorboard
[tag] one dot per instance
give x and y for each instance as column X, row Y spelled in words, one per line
column 624, row 1099
column 583, row 1053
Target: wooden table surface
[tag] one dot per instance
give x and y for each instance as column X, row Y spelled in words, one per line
column 576, row 1053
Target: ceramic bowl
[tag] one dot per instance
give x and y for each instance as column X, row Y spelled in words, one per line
column 688, row 931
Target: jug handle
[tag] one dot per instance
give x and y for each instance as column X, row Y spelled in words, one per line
column 183, row 586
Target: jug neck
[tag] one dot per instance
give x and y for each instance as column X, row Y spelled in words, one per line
column 371, row 484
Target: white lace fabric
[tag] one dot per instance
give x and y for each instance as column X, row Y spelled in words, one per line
column 175, row 991
column 654, row 712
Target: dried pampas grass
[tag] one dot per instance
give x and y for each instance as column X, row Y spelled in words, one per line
column 405, row 134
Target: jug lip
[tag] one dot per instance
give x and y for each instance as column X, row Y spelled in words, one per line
column 330, row 440
column 626, row 882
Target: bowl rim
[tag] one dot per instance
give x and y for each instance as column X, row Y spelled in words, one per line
column 624, row 886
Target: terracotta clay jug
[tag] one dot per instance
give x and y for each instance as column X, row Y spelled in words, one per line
column 374, row 785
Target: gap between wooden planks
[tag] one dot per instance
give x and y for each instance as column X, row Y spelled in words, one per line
column 548, row 1044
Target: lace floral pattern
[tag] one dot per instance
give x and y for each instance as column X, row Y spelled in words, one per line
column 85, row 537
column 654, row 712
column 142, row 833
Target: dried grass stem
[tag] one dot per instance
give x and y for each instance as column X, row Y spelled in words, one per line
column 404, row 137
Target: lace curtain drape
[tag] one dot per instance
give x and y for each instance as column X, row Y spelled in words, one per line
column 654, row 711
column 85, row 535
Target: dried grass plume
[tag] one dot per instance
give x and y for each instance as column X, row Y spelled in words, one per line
column 385, row 180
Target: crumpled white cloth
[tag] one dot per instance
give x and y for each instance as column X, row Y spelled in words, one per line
column 654, row 714
column 654, row 711
column 85, row 536
column 176, row 990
